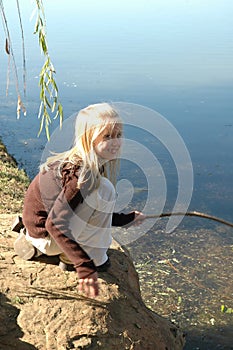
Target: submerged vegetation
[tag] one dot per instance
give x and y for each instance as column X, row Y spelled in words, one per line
column 186, row 277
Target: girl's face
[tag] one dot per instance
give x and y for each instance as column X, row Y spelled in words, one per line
column 107, row 145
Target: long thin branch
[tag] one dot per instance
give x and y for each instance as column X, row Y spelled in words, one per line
column 191, row 213
column 7, row 32
column 23, row 48
column 10, row 52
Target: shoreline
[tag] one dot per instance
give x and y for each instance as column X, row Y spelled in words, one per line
column 13, row 183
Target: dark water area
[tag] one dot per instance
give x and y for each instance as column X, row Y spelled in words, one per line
column 173, row 57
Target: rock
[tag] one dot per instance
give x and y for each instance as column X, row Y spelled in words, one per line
column 47, row 313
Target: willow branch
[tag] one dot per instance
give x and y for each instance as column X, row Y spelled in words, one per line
column 10, row 53
column 23, row 48
column 48, row 87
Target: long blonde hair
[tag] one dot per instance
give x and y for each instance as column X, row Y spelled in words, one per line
column 90, row 122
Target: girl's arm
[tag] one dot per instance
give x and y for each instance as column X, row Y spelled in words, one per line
column 134, row 217
column 121, row 219
column 57, row 224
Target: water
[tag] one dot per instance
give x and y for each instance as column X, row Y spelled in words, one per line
column 174, row 57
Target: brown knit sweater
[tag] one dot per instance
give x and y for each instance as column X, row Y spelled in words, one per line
column 48, row 206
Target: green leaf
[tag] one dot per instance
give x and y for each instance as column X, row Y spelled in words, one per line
column 54, row 104
column 226, row 310
column 47, row 130
column 47, row 102
column 54, row 85
column 40, row 110
column 60, row 109
column 41, row 81
column 41, row 125
column 37, row 26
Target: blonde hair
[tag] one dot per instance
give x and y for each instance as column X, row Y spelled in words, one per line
column 90, row 123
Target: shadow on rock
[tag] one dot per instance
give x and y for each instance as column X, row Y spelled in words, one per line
column 10, row 332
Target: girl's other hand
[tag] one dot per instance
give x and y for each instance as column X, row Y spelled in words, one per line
column 89, row 285
column 139, row 218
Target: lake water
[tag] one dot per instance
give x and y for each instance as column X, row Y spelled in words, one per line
column 174, row 57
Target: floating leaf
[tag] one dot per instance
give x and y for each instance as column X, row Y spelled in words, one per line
column 226, row 310
column 179, row 300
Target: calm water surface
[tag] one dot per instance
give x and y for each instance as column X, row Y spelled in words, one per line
column 175, row 57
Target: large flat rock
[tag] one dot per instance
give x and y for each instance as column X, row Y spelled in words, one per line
column 42, row 309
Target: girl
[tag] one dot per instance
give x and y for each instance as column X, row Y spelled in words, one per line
column 68, row 207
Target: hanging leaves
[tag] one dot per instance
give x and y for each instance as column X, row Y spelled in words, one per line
column 48, row 87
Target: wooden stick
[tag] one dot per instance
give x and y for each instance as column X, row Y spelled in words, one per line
column 191, row 213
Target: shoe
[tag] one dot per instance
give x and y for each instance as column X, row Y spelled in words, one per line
column 66, row 267
column 104, row 267
column 65, row 264
column 23, row 248
column 17, row 224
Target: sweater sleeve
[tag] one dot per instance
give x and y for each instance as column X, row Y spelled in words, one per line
column 57, row 224
column 121, row 219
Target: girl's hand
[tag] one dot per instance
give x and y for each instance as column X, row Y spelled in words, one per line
column 139, row 218
column 89, row 285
